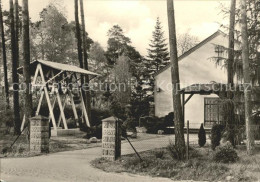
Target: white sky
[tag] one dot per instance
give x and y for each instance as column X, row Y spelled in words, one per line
column 137, row 18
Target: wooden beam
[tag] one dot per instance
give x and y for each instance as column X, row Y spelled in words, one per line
column 36, row 74
column 187, row 100
column 84, row 109
column 39, row 104
column 61, row 110
column 73, row 106
column 48, row 99
column 63, row 107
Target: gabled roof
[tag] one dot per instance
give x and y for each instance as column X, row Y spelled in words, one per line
column 193, row 49
column 58, row 67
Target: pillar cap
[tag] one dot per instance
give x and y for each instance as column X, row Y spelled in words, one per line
column 112, row 118
column 39, row 117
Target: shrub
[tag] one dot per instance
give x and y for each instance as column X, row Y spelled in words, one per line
column 169, row 119
column 225, row 154
column 153, row 124
column 6, row 119
column 202, row 136
column 159, row 154
column 216, row 133
column 173, row 151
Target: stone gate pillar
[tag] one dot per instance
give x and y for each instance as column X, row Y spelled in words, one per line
column 39, row 134
column 111, row 138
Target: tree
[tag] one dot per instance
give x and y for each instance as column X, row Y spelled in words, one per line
column 17, row 28
column 17, row 122
column 4, row 58
column 230, row 118
column 158, row 53
column 117, row 44
column 178, row 115
column 247, row 80
column 185, row 42
column 55, row 40
column 26, row 62
column 85, row 58
column 123, row 80
column 202, row 136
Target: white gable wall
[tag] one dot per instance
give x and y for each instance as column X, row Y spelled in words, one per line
column 195, row 68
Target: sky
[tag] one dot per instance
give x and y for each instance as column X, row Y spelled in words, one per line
column 137, row 18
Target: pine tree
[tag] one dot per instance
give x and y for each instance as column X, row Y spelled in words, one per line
column 158, row 54
column 4, row 58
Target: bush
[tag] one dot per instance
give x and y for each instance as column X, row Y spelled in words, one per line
column 225, row 154
column 159, row 154
column 153, row 124
column 169, row 119
column 6, row 120
column 202, row 136
column 216, row 133
column 173, row 151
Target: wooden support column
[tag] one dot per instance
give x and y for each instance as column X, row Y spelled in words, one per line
column 73, row 106
column 39, row 104
column 183, row 108
column 84, row 109
column 48, row 98
column 61, row 109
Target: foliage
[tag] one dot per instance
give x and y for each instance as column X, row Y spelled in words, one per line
column 202, row 136
column 173, row 151
column 225, row 154
column 159, row 154
column 216, row 133
column 139, row 108
column 158, row 53
column 169, row 119
column 185, row 42
column 7, row 119
column 153, row 124
column 98, row 114
column 53, row 37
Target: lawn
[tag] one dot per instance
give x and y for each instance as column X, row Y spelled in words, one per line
column 57, row 144
column 200, row 167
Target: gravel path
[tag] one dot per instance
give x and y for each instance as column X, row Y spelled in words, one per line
column 74, row 166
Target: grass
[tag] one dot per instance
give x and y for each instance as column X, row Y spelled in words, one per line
column 57, row 144
column 200, row 167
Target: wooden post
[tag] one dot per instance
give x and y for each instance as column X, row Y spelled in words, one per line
column 183, row 108
column 48, row 98
column 187, row 150
column 61, row 109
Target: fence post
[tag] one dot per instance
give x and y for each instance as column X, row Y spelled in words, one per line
column 187, row 150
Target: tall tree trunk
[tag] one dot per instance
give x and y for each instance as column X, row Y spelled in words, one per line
column 26, row 62
column 230, row 74
column 247, row 92
column 4, row 58
column 17, row 28
column 79, row 44
column 178, row 115
column 16, row 108
column 85, row 56
column 231, row 47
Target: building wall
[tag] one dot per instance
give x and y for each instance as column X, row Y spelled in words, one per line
column 196, row 68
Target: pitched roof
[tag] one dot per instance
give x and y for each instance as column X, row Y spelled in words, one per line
column 193, row 49
column 59, row 67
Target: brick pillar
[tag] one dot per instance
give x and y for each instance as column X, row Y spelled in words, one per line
column 111, row 138
column 39, row 134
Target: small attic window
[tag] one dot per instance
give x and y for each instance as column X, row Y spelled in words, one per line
column 219, row 49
